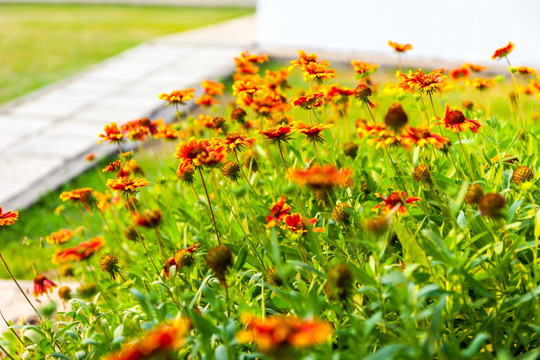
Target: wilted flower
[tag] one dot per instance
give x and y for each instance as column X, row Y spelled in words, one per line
column 83, row 196
column 231, row 170
column 64, row 293
column 421, row 173
column 362, row 93
column 42, row 285
column 350, row 149
column 474, row 194
column 396, row 117
column 340, row 279
column 340, row 214
column 184, row 257
column 148, row 219
column 377, row 225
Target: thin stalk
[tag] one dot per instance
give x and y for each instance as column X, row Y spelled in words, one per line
column 282, row 157
column 517, row 96
column 114, row 236
column 434, row 113
column 210, row 206
column 425, row 110
column 86, row 220
column 19, row 286
column 465, row 156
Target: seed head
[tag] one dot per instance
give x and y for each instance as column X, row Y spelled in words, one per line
column 467, row 105
column 66, row 270
column 396, row 117
column 186, row 177
column 249, row 160
column 340, row 214
column 377, row 225
column 219, row 259
column 109, row 263
column 239, row 114
column 350, row 149
column 491, row 205
column 130, row 233
column 340, row 279
column 64, row 293
column 421, row 173
column 231, row 170
column 273, row 277
column 362, row 92
column 183, row 258
column 474, row 194
column 521, row 174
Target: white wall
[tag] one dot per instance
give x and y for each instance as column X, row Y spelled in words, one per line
column 462, row 30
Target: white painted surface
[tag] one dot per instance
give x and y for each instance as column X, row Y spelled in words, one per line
column 463, row 30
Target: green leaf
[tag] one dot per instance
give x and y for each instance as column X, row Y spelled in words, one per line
column 413, row 252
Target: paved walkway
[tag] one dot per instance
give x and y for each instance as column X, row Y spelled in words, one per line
column 46, row 135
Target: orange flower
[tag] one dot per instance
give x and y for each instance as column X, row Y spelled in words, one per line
column 84, row 196
column 455, row 121
column 8, row 218
column 112, row 134
column 309, row 101
column 236, row 140
column 459, row 73
column 311, row 68
column 125, row 185
column 279, row 211
column 268, row 103
column 158, row 343
column 303, row 60
column 245, row 64
column 140, row 128
column 166, row 131
column 276, row 334
column 297, row 224
column 80, row 252
column 383, row 137
column 178, row 97
column 526, row 71
column 212, row 88
column 422, row 136
column 277, row 80
column 313, row 132
column 112, row 167
column 59, row 237
column 481, row 84
column 363, row 69
column 420, row 82
column 395, row 199
column 90, row 157
column 340, row 92
column 502, row 52
column 197, row 153
column 321, row 177
column 400, row 48
column 475, row 68
column 277, row 133
column 42, row 285
column 206, row 100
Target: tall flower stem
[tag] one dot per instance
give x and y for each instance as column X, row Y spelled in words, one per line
column 210, row 206
column 86, row 220
column 19, row 286
column 435, row 113
column 317, row 152
column 425, row 110
column 520, row 112
column 370, row 112
column 465, row 156
column 282, row 157
column 114, row 236
column 178, row 117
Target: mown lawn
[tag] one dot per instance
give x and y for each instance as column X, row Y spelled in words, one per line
column 41, row 44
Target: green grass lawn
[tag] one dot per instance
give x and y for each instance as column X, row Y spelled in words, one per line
column 41, row 44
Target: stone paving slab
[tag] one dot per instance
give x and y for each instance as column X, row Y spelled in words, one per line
column 46, row 135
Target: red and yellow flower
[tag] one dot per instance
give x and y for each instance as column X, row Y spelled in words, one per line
column 322, row 177
column 502, row 52
column 455, row 121
column 396, row 198
column 481, row 84
column 277, row 133
column 178, row 97
column 80, row 252
column 298, row 224
column 363, row 69
column 126, row 185
column 195, row 153
column 422, row 136
column 309, row 101
column 237, row 141
column 276, row 334
column 279, row 211
column 418, row 81
column 112, row 134
column 459, row 73
column 42, row 285
column 313, row 131
column 400, row 48
column 8, row 218
column 475, row 68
